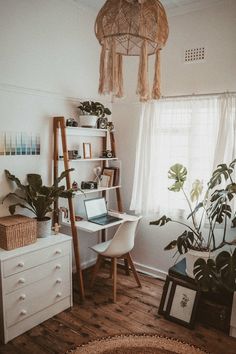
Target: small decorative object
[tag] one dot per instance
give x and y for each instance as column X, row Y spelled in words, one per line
column 12, row 143
column 75, row 186
column 38, row 198
column 97, row 171
column 128, row 28
column 102, row 123
column 182, row 304
column 17, row 231
column 78, row 218
column 87, row 150
column 74, row 154
column 110, row 126
column 105, row 181
column 111, row 173
column 71, row 122
column 56, row 228
column 199, row 243
column 165, row 296
column 89, row 185
column 107, row 154
column 92, row 111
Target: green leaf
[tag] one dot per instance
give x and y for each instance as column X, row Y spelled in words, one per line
column 161, row 222
column 199, row 206
column 171, row 245
column 226, row 266
column 35, row 181
column 197, row 188
column 185, row 241
column 205, row 273
column 63, row 175
column 222, row 171
column 220, row 211
column 14, row 179
column 12, row 208
column 179, row 173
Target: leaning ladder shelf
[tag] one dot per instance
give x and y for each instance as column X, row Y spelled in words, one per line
column 60, row 131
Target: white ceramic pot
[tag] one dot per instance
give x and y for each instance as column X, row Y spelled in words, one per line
column 88, row 121
column 191, row 257
column 44, row 227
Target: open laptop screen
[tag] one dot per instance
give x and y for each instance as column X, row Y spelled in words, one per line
column 95, row 207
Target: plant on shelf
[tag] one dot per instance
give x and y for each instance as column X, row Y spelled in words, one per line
column 210, row 271
column 93, row 112
column 38, row 198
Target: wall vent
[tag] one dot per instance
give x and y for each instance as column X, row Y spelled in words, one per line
column 194, row 55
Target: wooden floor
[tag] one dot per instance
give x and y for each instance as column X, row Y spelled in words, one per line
column 134, row 312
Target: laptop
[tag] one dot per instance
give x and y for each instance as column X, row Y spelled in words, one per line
column 96, row 210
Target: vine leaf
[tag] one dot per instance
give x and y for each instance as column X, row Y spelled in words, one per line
column 205, row 273
column 161, row 222
column 179, row 173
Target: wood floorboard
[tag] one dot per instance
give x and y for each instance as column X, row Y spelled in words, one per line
column 134, row 312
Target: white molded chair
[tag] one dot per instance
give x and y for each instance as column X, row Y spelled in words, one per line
column 119, row 247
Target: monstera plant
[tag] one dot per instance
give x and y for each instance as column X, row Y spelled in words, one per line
column 92, row 111
column 199, row 242
column 38, row 198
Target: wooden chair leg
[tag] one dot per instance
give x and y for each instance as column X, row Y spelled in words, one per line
column 134, row 270
column 114, row 271
column 126, row 266
column 96, row 269
column 111, row 270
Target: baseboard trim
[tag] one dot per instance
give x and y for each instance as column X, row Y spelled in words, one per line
column 85, row 265
column 153, row 272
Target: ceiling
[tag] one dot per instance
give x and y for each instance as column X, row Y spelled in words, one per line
column 173, row 7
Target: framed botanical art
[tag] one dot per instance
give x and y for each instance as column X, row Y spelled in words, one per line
column 182, row 303
column 111, row 173
column 87, row 150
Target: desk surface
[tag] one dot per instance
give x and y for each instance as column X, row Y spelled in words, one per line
column 91, row 227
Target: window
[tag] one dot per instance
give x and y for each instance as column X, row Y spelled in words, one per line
column 182, row 131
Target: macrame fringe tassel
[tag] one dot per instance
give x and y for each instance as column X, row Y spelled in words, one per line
column 143, row 84
column 120, row 87
column 156, row 90
column 102, row 89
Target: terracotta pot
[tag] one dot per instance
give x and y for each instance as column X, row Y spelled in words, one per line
column 88, row 121
column 191, row 257
column 44, row 227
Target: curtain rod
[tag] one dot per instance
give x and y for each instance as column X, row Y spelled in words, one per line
column 200, row 95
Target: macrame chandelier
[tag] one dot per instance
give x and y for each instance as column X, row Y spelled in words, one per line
column 132, row 28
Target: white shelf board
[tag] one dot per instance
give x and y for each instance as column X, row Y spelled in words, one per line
column 91, row 227
column 80, row 131
column 100, row 189
column 93, row 159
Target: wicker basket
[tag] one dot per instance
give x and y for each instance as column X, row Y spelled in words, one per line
column 17, row 231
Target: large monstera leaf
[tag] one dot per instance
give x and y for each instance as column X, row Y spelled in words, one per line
column 197, row 188
column 222, row 171
column 226, row 266
column 185, row 241
column 161, row 222
column 206, row 275
column 179, row 173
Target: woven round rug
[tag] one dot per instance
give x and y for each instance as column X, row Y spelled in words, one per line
column 137, row 344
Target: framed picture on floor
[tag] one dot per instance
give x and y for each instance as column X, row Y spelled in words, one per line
column 182, row 304
column 165, row 296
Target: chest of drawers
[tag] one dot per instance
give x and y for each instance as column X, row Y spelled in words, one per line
column 35, row 284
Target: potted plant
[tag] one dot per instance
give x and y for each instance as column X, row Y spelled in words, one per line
column 38, row 198
column 91, row 112
column 199, row 243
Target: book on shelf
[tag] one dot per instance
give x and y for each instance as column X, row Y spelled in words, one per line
column 113, row 173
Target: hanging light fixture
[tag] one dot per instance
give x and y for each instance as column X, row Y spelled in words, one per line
column 132, row 28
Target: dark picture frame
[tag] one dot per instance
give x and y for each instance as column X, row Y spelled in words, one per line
column 165, row 296
column 182, row 303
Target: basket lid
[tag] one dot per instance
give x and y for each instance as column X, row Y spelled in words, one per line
column 14, row 220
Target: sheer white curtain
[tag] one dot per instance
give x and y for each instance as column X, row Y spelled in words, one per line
column 193, row 132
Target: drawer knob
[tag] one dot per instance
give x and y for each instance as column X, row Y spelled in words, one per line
column 22, row 297
column 58, row 252
column 58, row 281
column 21, row 264
column 58, row 266
column 21, row 281
column 59, row 295
column 23, row 312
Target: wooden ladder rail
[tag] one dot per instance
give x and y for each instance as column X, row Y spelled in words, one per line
column 59, row 123
column 118, row 193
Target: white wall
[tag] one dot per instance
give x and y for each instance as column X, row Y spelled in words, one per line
column 49, row 59
column 215, row 28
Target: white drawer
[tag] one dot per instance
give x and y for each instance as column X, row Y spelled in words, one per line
column 33, row 259
column 27, row 301
column 20, row 280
